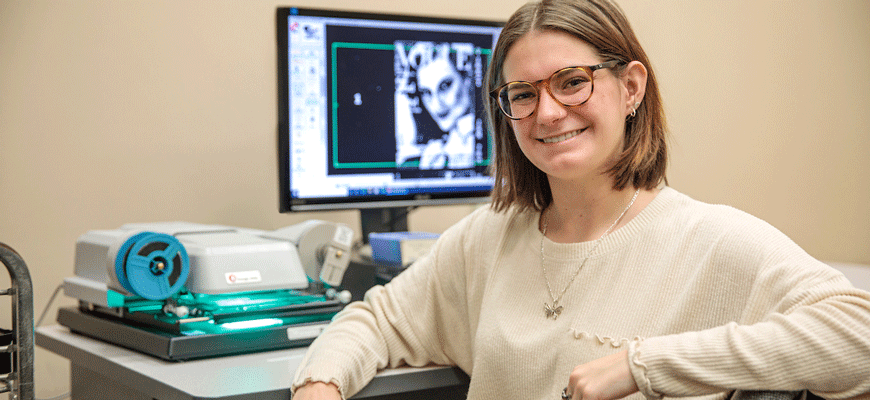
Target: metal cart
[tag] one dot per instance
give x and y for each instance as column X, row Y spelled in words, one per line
column 19, row 380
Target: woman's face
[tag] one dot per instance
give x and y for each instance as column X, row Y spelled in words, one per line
column 567, row 143
column 445, row 93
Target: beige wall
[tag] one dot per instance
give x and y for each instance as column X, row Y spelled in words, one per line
column 136, row 111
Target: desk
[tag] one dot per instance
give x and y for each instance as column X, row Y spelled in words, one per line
column 102, row 371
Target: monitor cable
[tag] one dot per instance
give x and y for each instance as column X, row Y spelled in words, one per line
column 66, row 395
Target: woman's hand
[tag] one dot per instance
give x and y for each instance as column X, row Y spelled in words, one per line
column 606, row 378
column 317, row 391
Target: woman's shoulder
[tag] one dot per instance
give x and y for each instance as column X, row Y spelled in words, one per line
column 697, row 213
column 725, row 227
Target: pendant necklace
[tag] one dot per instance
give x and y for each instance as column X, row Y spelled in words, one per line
column 553, row 310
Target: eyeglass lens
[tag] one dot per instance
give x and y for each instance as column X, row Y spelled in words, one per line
column 569, row 86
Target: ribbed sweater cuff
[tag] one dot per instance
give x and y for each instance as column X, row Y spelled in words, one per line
column 307, row 380
column 639, row 370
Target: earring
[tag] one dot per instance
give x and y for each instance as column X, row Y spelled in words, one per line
column 634, row 110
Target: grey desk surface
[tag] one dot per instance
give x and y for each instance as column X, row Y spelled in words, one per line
column 233, row 377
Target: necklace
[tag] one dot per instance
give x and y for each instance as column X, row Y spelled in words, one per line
column 553, row 311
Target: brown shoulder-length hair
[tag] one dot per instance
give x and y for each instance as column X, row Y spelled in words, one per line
column 601, row 24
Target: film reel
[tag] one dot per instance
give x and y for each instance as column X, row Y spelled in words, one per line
column 152, row 265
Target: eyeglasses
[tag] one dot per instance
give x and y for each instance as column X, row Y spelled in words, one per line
column 570, row 86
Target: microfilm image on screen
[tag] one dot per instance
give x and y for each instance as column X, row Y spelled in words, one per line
column 431, row 87
column 382, row 109
column 437, row 82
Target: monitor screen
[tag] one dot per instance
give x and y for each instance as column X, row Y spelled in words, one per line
column 381, row 111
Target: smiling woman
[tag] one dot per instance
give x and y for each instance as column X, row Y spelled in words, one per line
column 645, row 156
column 584, row 139
column 589, row 277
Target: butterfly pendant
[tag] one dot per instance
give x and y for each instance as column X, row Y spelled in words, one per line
column 552, row 311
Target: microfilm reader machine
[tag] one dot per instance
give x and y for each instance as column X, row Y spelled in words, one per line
column 181, row 290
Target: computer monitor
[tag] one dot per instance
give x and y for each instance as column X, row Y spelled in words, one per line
column 381, row 112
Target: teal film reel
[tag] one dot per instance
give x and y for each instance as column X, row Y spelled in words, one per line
column 152, row 265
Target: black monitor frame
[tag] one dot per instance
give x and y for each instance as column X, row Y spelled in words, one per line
column 379, row 212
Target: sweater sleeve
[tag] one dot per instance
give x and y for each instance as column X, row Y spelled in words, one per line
column 804, row 327
column 401, row 323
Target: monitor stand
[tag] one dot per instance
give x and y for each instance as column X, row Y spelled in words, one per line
column 393, row 219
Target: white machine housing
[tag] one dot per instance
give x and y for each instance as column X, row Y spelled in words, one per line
column 223, row 259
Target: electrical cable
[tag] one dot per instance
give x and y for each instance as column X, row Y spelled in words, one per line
column 59, row 397
column 47, row 306
column 66, row 395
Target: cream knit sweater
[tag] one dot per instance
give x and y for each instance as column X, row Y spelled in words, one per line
column 705, row 297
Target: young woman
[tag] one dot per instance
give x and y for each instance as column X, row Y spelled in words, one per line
column 588, row 278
